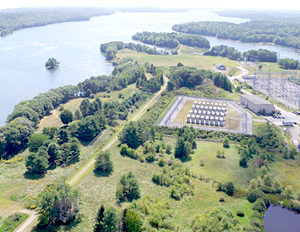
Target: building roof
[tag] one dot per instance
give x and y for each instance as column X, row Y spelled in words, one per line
column 255, row 99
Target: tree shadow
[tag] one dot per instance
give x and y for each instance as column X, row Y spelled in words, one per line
column 31, row 176
column 101, row 174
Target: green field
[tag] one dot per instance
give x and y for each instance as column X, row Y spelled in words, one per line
column 198, row 61
column 101, row 190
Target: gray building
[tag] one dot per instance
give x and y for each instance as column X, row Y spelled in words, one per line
column 257, row 104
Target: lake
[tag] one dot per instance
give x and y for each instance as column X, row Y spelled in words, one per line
column 76, row 46
column 278, row 219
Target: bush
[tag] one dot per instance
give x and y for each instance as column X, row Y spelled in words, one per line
column 133, row 221
column 177, row 177
column 220, row 155
column 253, row 195
column 228, row 188
column 226, row 142
column 259, row 205
column 161, row 162
column 104, row 165
column 150, row 158
column 127, row 151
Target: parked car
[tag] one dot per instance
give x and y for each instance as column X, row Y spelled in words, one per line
column 296, row 112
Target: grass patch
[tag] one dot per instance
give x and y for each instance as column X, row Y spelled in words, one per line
column 13, row 221
column 220, row 170
column 165, row 110
column 287, row 171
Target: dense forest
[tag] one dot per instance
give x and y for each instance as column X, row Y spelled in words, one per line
column 260, row 55
column 15, row 19
column 280, row 32
column 171, row 40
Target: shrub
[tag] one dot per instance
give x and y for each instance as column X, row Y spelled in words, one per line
column 259, row 205
column 133, row 221
column 177, row 177
column 127, row 151
column 161, row 162
column 228, row 188
column 226, row 142
column 169, row 149
column 150, row 158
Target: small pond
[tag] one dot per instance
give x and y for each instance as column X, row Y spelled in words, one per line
column 278, row 219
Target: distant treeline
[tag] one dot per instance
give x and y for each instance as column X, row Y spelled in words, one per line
column 280, row 32
column 171, row 40
column 261, row 55
column 109, row 50
column 27, row 114
column 12, row 20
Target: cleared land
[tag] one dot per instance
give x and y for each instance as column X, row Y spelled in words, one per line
column 187, row 58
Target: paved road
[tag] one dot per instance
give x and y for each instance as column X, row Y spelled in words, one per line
column 74, row 179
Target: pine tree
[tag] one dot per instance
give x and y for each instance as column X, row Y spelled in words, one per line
column 99, row 220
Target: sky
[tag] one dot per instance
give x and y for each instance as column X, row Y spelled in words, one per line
column 232, row 4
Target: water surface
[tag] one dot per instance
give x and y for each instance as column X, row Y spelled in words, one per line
column 278, row 219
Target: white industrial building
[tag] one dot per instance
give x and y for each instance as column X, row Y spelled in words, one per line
column 257, row 104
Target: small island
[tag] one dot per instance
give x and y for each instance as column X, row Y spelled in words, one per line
column 52, row 64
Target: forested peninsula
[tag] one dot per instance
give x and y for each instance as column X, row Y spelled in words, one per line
column 16, row 19
column 171, row 40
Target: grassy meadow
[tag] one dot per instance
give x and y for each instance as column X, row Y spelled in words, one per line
column 101, row 190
